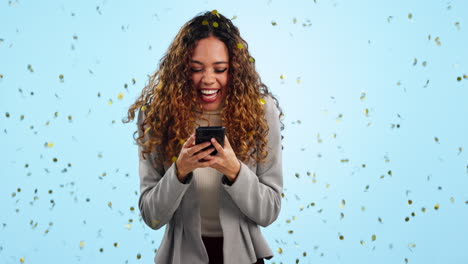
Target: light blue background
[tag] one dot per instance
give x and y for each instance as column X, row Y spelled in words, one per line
column 338, row 50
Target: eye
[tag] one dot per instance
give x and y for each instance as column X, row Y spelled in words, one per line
column 196, row 70
column 220, row 71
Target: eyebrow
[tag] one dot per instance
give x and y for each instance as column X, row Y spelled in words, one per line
column 218, row 62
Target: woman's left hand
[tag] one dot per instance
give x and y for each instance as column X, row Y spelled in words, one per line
column 226, row 160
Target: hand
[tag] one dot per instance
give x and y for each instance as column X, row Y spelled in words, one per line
column 226, row 160
column 190, row 157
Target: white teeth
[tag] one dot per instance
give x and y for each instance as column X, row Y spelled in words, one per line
column 209, row 91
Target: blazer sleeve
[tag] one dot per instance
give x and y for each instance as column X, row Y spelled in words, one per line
column 258, row 194
column 160, row 191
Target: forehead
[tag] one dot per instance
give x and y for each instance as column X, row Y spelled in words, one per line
column 210, row 49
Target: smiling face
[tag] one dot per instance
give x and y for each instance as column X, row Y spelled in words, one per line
column 210, row 72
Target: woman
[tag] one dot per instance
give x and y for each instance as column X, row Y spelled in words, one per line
column 211, row 205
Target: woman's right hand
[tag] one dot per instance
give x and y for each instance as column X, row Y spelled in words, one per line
column 189, row 158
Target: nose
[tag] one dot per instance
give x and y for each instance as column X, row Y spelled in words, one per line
column 208, row 78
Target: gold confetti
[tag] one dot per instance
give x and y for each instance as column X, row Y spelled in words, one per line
column 363, row 96
column 61, row 77
column 49, row 144
column 423, row 210
column 273, row 23
column 128, row 226
column 366, row 112
column 410, row 16
column 363, row 208
column 437, row 41
column 343, row 203
column 30, row 68
column 143, row 108
column 174, row 159
column 1, row 76
column 116, row 244
column 280, row 250
column 215, row 24
column 459, row 78
column 457, row 24
column 82, row 243
column 452, row 200
column 262, row 101
column 294, row 20
column 290, row 231
column 362, row 242
column 205, row 22
column 109, row 102
column 138, row 256
column 101, row 250
column 21, row 260
column 436, row 206
column 298, row 80
column 120, row 96
column 341, row 237
column 109, row 204
column 251, row 59
column 465, row 76
column 240, row 46
column 215, row 12
column 436, row 139
column 410, row 201
column 374, row 237
column 282, row 77
column 412, row 245
column 133, row 80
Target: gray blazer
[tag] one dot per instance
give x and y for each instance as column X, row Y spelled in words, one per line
column 253, row 199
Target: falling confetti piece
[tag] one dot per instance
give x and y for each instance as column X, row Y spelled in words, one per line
column 109, row 204
column 181, row 141
column 437, row 41
column 120, row 96
column 240, row 46
column 343, row 203
column 262, row 101
column 280, row 250
column 341, row 237
column 251, row 59
column 362, row 242
column 374, row 237
column 109, row 102
column 457, row 24
column 282, row 77
column 30, row 68
column 410, row 16
column 273, row 23
column 101, row 250
column 49, row 144
column 143, row 108
column 452, row 200
column 465, row 76
column 412, row 245
column 436, row 139
column 82, row 244
column 205, row 22
column 174, row 159
column 459, row 78
column 363, row 96
column 21, row 260
column 215, row 24
column 436, row 207
column 294, row 20
column 1, row 76
column 138, row 256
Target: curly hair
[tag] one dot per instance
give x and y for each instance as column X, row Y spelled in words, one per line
column 168, row 100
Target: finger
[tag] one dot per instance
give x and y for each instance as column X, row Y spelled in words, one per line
column 209, row 162
column 195, row 149
column 226, row 141
column 189, row 141
column 218, row 147
column 204, row 154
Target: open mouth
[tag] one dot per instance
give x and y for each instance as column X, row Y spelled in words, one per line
column 209, row 95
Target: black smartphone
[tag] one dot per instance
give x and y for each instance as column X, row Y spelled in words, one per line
column 204, row 133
